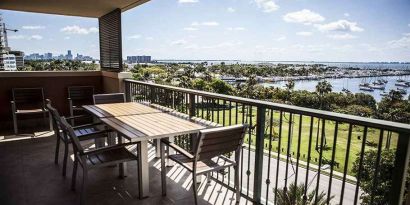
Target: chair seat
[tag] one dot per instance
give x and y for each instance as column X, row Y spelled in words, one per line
column 31, row 111
column 215, row 164
column 109, row 157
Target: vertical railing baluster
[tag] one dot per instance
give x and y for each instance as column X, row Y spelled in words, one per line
column 356, row 194
column 376, row 168
column 349, row 138
column 322, row 139
column 332, row 162
column 278, row 158
column 298, row 149
column 401, row 164
column 269, row 156
column 259, row 151
column 308, row 158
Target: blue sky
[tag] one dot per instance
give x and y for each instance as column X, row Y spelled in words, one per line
column 318, row 30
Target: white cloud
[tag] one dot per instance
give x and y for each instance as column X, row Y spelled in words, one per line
column 33, row 27
column 23, row 37
column 304, row 33
column 67, row 38
column 187, row 1
column 149, row 38
column 342, row 36
column 403, row 42
column 341, row 25
column 408, row 24
column 36, row 37
column 267, row 5
column 235, row 28
column 179, row 42
column 230, row 10
column 228, row 44
column 136, row 36
column 78, row 30
column 190, row 29
column 346, row 14
column 304, row 16
column 281, row 38
column 205, row 23
column 210, row 23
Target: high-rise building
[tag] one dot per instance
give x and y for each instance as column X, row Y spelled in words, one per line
column 69, row 56
column 138, row 59
column 9, row 61
column 19, row 58
column 48, row 56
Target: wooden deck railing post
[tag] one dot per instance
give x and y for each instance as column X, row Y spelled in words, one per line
column 127, row 91
column 192, row 114
column 259, row 147
column 400, row 169
column 152, row 93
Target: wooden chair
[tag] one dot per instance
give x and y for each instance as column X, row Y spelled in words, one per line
column 97, row 158
column 79, row 96
column 109, row 98
column 83, row 132
column 208, row 155
column 28, row 101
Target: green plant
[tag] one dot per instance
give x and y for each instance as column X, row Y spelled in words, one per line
column 294, row 195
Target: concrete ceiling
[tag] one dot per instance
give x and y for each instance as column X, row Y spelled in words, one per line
column 84, row 8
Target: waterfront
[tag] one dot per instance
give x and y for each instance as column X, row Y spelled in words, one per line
column 351, row 84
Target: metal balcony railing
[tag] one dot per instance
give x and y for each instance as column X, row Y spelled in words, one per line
column 323, row 152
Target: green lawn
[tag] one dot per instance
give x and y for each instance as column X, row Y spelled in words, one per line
column 341, row 142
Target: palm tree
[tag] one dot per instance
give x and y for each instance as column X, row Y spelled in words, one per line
column 294, row 195
column 290, row 85
column 322, row 88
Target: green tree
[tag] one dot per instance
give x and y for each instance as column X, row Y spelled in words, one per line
column 220, row 86
column 384, row 177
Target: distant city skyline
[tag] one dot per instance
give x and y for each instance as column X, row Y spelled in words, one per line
column 50, row 56
column 256, row 30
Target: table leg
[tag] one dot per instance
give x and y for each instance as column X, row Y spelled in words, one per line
column 122, row 166
column 170, row 151
column 99, row 142
column 143, row 169
column 157, row 148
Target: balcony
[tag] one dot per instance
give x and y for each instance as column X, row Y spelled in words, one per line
column 323, row 152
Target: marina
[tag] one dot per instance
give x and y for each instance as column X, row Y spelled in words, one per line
column 354, row 85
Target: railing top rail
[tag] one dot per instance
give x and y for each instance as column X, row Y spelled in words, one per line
column 357, row 120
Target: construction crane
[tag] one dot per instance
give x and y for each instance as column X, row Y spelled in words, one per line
column 4, row 49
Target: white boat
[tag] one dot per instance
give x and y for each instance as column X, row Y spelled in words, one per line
column 402, row 91
column 402, row 84
column 366, row 88
column 384, row 93
column 378, row 87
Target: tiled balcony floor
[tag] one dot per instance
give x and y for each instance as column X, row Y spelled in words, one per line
column 29, row 176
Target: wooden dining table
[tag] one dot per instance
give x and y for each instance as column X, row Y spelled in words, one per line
column 141, row 123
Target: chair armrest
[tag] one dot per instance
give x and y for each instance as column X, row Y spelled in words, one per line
column 87, row 125
column 104, row 149
column 177, row 148
column 13, row 106
column 94, row 135
column 77, row 117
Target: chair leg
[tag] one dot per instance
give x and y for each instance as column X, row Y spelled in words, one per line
column 84, row 186
column 194, row 186
column 65, row 158
column 237, row 189
column 74, row 176
column 15, row 124
column 57, row 148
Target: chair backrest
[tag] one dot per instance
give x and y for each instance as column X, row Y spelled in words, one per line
column 218, row 141
column 81, row 95
column 55, row 116
column 109, row 98
column 68, row 130
column 28, row 97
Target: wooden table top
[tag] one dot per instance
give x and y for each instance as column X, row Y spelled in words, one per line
column 119, row 109
column 151, row 126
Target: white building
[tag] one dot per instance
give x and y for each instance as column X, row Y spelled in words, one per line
column 9, row 61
